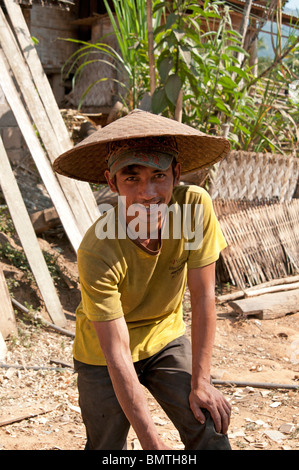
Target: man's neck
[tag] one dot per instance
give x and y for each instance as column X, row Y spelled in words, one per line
column 151, row 244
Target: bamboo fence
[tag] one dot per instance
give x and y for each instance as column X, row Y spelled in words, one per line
column 262, row 240
column 253, row 176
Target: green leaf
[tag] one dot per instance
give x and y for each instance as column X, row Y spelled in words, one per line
column 185, row 54
column 165, row 66
column 159, row 101
column 171, row 19
column 222, row 106
column 172, row 88
column 238, row 49
column 214, row 120
column 244, row 129
column 238, row 71
column 227, row 82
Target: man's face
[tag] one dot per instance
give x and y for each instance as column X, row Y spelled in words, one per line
column 145, row 185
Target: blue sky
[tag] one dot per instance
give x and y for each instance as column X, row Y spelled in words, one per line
column 293, row 4
column 268, row 51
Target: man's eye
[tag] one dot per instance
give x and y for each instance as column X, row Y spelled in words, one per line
column 160, row 175
column 131, row 178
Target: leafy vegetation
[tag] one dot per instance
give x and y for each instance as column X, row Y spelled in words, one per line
column 17, row 257
column 200, row 57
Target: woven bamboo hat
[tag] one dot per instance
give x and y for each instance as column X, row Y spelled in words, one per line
column 87, row 161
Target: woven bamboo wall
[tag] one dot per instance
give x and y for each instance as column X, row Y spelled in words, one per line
column 253, row 176
column 262, row 241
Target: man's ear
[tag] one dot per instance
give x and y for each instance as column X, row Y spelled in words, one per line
column 177, row 174
column 111, row 182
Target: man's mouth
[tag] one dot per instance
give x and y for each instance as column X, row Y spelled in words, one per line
column 153, row 205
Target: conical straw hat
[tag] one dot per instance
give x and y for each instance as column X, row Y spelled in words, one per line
column 87, row 161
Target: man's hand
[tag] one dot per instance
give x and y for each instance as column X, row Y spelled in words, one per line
column 208, row 397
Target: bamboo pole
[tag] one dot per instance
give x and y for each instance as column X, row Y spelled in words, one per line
column 236, row 383
column 151, row 56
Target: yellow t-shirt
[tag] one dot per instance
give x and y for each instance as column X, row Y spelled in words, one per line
column 120, row 278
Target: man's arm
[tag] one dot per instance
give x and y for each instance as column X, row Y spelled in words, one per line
column 114, row 340
column 201, row 283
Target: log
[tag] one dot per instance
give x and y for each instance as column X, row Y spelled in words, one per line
column 42, row 320
column 3, row 348
column 268, row 306
column 268, row 290
column 40, row 159
column 29, row 240
column 236, row 383
column 77, row 199
column 7, row 317
column 275, row 285
column 27, row 416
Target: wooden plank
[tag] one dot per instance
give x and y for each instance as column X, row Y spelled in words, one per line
column 7, row 317
column 270, row 289
column 28, row 239
column 46, row 94
column 3, row 348
column 290, row 281
column 268, row 306
column 17, row 419
column 42, row 163
column 36, row 109
column 41, row 81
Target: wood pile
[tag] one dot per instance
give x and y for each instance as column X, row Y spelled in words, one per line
column 30, row 97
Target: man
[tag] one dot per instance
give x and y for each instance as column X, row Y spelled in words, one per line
column 133, row 274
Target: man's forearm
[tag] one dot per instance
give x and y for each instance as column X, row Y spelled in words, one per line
column 114, row 340
column 132, row 399
column 203, row 395
column 203, row 335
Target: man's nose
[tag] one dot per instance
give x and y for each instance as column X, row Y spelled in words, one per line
column 147, row 191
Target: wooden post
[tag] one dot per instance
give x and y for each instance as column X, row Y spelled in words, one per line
column 3, row 348
column 39, row 157
column 28, row 239
column 46, row 94
column 40, row 79
column 7, row 316
column 37, row 111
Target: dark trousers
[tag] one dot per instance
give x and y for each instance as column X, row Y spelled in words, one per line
column 167, row 376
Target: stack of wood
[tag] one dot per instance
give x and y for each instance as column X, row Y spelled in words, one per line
column 273, row 299
column 33, row 104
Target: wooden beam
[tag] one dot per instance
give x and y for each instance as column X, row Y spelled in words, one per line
column 42, row 163
column 41, row 81
column 41, row 120
column 28, row 239
column 3, row 348
column 47, row 96
column 268, row 306
column 7, row 317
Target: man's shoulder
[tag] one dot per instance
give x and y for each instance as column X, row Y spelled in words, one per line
column 187, row 194
column 99, row 237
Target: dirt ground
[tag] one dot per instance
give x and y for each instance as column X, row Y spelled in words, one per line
column 39, row 408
